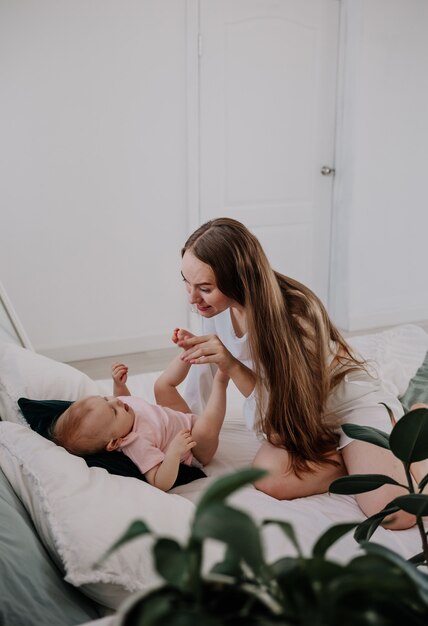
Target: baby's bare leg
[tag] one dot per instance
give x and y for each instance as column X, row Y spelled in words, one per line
column 165, row 387
column 206, row 429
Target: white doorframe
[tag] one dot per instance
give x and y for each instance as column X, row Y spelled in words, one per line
column 347, row 92
column 192, row 116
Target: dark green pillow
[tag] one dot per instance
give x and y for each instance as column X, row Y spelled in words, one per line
column 417, row 391
column 41, row 415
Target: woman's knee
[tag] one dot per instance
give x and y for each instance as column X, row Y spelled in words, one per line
column 277, row 467
column 399, row 521
column 419, row 405
column 372, row 503
column 274, row 486
column 283, row 483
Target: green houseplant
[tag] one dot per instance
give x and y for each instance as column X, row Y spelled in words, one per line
column 408, row 441
column 377, row 587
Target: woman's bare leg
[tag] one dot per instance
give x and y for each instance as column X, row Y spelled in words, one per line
column 420, row 469
column 283, row 484
column 361, row 457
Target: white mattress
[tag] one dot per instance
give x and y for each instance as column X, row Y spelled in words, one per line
column 397, row 353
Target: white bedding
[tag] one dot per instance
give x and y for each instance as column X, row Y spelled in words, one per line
column 79, row 511
column 397, row 353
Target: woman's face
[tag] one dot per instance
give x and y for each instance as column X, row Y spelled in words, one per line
column 202, row 288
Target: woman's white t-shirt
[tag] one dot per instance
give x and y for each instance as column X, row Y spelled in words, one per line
column 199, row 380
column 357, row 399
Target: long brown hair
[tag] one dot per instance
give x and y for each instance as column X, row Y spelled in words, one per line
column 291, row 338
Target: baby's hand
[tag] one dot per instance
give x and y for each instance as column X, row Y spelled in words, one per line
column 119, row 373
column 221, row 377
column 179, row 334
column 181, row 443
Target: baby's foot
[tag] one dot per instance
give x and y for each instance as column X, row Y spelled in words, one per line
column 179, row 334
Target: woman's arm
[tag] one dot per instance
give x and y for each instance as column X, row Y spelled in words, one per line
column 209, row 349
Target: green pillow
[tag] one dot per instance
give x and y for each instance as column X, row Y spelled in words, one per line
column 32, row 589
column 417, row 391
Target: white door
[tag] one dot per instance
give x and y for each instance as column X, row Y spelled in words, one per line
column 267, row 114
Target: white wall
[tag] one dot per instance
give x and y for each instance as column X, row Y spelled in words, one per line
column 93, row 168
column 93, row 161
column 379, row 274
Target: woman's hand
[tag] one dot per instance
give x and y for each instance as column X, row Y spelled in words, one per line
column 207, row 349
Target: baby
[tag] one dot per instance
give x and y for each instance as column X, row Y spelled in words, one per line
column 157, row 438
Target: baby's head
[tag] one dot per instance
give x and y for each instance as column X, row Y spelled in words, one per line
column 93, row 424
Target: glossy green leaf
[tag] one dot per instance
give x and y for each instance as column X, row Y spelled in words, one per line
column 305, row 586
column 235, row 528
column 330, row 536
column 191, row 618
column 352, row 601
column 369, row 566
column 382, row 576
column 288, row 530
column 224, row 486
column 372, row 584
column 360, row 483
column 417, row 559
column 420, row 579
column 298, row 596
column 168, row 607
column 170, row 560
column 423, row 483
column 322, row 572
column 134, row 530
column 409, row 437
column 365, row 530
column 153, row 609
column 415, row 503
column 229, row 566
column 367, row 433
column 284, row 567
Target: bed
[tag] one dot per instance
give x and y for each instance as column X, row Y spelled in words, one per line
column 60, row 516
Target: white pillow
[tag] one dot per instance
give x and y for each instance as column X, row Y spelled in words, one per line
column 24, row 373
column 397, row 353
column 79, row 512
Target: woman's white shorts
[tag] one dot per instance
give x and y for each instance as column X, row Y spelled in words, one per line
column 356, row 400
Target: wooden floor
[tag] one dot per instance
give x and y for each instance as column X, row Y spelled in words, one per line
column 138, row 363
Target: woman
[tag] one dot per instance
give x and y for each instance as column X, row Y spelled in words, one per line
column 272, row 336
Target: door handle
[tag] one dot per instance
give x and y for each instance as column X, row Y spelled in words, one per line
column 327, row 171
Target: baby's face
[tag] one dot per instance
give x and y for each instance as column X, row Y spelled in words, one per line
column 109, row 416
